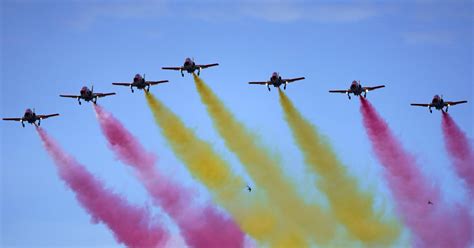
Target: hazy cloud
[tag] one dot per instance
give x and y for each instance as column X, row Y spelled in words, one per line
column 91, row 12
column 428, row 37
column 337, row 12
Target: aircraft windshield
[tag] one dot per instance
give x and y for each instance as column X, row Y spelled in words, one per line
column 84, row 90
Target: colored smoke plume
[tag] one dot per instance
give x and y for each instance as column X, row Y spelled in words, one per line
column 251, row 210
column 311, row 220
column 459, row 150
column 131, row 225
column 198, row 224
column 433, row 225
column 341, row 189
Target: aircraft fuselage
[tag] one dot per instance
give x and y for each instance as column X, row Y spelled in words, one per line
column 87, row 94
column 30, row 117
column 276, row 81
column 189, row 66
column 139, row 83
column 438, row 103
column 356, row 89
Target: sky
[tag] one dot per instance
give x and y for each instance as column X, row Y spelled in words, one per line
column 416, row 48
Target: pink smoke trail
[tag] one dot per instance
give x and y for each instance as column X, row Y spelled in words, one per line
column 459, row 150
column 433, row 225
column 131, row 225
column 200, row 226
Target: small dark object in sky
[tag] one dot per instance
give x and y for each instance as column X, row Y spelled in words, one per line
column 249, row 189
column 430, row 202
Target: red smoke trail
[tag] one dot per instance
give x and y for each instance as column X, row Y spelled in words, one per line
column 131, row 225
column 432, row 225
column 200, row 226
column 460, row 151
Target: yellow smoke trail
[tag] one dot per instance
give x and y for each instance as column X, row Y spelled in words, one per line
column 351, row 206
column 314, row 223
column 251, row 211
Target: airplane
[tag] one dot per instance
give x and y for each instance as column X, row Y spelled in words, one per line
column 140, row 83
column 276, row 81
column 357, row 89
column 249, row 189
column 189, row 66
column 31, row 117
column 88, row 95
column 430, row 203
column 438, row 103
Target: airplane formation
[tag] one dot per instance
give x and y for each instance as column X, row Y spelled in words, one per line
column 190, row 66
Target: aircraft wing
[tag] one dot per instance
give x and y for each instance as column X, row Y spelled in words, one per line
column 47, row 116
column 374, row 88
column 206, row 66
column 421, row 104
column 122, row 84
column 12, row 119
column 339, row 91
column 70, row 96
column 156, row 82
column 262, row 83
column 172, row 68
column 104, row 94
column 454, row 103
column 292, row 79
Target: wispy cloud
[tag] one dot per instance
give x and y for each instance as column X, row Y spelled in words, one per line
column 327, row 12
column 270, row 11
column 428, row 37
column 92, row 12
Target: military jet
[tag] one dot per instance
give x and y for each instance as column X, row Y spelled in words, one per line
column 438, row 103
column 249, row 189
column 140, row 83
column 31, row 117
column 88, row 95
column 357, row 89
column 276, row 81
column 430, row 203
column 190, row 66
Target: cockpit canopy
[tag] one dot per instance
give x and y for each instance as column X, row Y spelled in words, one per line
column 84, row 90
column 436, row 98
column 275, row 75
column 354, row 84
column 188, row 61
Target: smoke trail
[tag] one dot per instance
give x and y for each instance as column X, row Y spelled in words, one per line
column 200, row 226
column 432, row 225
column 459, row 150
column 131, row 225
column 313, row 221
column 361, row 221
column 251, row 210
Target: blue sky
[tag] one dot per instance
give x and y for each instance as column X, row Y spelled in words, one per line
column 417, row 49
